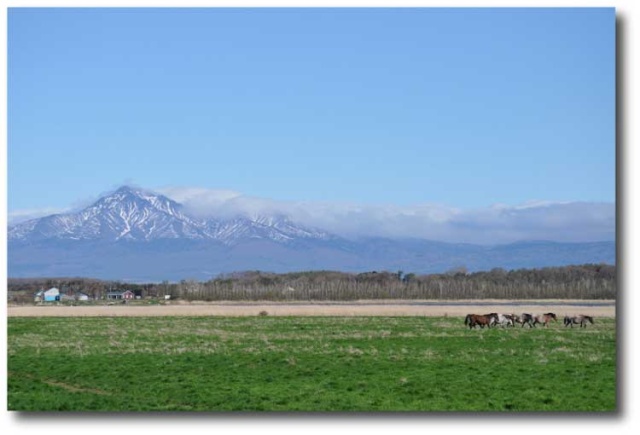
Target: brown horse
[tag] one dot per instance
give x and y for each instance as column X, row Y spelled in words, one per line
column 544, row 319
column 578, row 320
column 479, row 319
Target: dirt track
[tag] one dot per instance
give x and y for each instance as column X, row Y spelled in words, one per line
column 360, row 308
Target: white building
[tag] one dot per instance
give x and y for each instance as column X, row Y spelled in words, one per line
column 53, row 294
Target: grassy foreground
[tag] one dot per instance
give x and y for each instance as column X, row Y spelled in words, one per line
column 306, row 364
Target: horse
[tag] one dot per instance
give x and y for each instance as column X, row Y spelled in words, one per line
column 493, row 318
column 479, row 319
column 526, row 319
column 583, row 319
column 505, row 319
column 578, row 320
column 544, row 319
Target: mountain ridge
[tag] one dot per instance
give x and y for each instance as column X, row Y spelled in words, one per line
column 135, row 234
column 137, row 214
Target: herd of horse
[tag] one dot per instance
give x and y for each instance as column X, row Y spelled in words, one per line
column 496, row 319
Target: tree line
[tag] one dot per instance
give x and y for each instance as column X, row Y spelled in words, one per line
column 588, row 281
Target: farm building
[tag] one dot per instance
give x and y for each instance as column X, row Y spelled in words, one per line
column 82, row 296
column 127, row 294
column 53, row 294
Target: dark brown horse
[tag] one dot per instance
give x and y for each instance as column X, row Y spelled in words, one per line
column 526, row 319
column 578, row 320
column 544, row 319
column 479, row 319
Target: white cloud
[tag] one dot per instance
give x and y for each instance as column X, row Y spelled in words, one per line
column 494, row 224
column 565, row 221
column 200, row 201
column 533, row 220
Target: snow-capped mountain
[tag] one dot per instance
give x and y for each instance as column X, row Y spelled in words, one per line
column 139, row 215
column 134, row 234
column 276, row 228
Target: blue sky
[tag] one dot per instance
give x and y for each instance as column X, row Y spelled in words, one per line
column 461, row 107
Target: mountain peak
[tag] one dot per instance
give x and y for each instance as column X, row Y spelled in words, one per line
column 125, row 188
column 135, row 191
column 136, row 214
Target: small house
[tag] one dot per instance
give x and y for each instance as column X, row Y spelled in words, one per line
column 127, row 294
column 53, row 294
column 114, row 295
column 82, row 296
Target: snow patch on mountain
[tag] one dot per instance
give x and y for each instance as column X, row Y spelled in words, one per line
column 139, row 215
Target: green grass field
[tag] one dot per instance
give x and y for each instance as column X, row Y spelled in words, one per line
column 306, row 364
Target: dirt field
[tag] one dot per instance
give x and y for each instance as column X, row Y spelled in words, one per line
column 360, row 308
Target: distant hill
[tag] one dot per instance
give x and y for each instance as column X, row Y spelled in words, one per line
column 136, row 235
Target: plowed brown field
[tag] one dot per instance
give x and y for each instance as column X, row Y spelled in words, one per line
column 360, row 308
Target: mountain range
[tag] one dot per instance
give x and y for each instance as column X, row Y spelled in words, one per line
column 136, row 235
